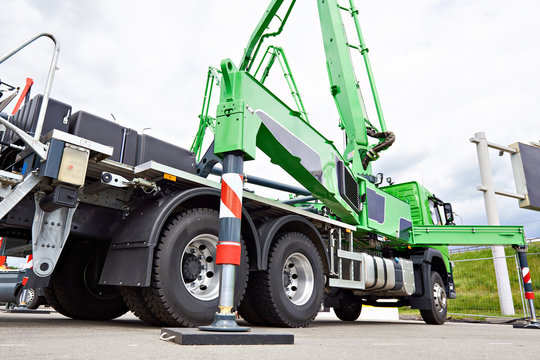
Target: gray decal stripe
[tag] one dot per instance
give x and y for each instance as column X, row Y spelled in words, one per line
column 309, row 158
column 404, row 226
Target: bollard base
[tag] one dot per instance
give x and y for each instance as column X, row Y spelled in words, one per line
column 531, row 325
column 188, row 336
column 224, row 322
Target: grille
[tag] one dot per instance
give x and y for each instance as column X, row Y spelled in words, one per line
column 348, row 187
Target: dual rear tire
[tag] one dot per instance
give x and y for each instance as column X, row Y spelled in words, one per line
column 289, row 292
column 185, row 280
column 74, row 290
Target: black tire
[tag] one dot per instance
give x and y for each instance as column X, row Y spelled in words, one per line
column 436, row 315
column 134, row 299
column 32, row 297
column 52, row 300
column 184, row 289
column 248, row 309
column 349, row 308
column 280, row 298
column 76, row 290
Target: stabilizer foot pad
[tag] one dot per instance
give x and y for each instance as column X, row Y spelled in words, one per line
column 527, row 326
column 25, row 311
column 188, row 336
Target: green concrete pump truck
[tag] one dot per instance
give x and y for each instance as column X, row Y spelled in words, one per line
column 117, row 220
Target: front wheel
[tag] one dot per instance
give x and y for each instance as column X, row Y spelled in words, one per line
column 436, row 315
column 290, row 292
column 349, row 308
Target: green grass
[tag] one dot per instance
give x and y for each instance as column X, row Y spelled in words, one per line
column 476, row 286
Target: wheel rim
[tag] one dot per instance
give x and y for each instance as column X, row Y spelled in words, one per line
column 298, row 279
column 439, row 295
column 200, row 275
column 30, row 294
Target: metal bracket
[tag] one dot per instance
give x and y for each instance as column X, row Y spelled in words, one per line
column 121, row 182
column 12, row 196
column 50, row 231
column 37, row 146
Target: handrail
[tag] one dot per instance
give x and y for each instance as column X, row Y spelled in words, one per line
column 50, row 77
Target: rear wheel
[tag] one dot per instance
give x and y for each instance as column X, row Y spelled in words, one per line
column 52, row 300
column 290, row 292
column 75, row 291
column 436, row 315
column 135, row 299
column 185, row 282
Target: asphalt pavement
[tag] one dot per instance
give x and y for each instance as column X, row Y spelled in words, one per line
column 52, row 336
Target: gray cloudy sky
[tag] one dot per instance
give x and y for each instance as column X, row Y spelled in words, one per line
column 445, row 70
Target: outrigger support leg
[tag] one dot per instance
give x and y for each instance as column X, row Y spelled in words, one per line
column 527, row 286
column 229, row 247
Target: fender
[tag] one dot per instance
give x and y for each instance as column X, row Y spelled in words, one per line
column 292, row 223
column 130, row 255
column 423, row 265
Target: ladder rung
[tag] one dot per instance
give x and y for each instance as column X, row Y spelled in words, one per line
column 350, row 255
column 348, row 284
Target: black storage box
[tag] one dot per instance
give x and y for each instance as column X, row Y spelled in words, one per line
column 105, row 132
column 151, row 148
column 56, row 117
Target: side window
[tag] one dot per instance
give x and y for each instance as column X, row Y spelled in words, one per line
column 435, row 215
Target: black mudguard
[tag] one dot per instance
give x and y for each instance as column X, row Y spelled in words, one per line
column 129, row 258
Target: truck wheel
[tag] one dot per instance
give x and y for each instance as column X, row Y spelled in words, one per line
column 437, row 314
column 290, row 292
column 52, row 300
column 349, row 308
column 135, row 300
column 185, row 282
column 76, row 288
column 31, row 296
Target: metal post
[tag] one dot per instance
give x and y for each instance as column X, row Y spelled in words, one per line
column 229, row 247
column 527, row 285
column 492, row 213
column 525, row 308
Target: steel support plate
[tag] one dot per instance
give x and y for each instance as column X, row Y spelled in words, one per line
column 188, row 336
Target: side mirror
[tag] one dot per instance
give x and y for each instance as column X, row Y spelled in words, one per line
column 378, row 179
column 448, row 214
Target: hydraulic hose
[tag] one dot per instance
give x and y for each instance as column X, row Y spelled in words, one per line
column 373, row 153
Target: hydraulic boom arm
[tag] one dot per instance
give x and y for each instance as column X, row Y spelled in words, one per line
column 250, row 116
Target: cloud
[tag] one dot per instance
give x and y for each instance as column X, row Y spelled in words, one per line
column 444, row 69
